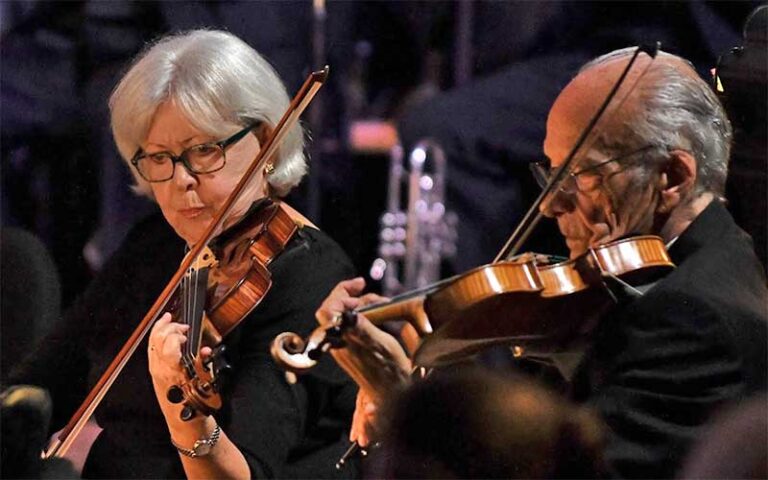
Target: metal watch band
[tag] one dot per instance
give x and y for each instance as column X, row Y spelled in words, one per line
column 196, row 451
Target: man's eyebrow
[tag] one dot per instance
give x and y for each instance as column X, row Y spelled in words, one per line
column 586, row 162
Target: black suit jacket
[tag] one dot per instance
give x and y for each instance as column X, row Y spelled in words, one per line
column 660, row 366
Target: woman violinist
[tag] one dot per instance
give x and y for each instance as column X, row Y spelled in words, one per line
column 189, row 117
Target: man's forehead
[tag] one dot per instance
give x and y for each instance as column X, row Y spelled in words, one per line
column 583, row 95
column 581, row 98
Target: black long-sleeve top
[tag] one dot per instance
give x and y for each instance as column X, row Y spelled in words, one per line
column 283, row 430
column 661, row 366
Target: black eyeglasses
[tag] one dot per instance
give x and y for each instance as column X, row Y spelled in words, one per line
column 575, row 181
column 203, row 158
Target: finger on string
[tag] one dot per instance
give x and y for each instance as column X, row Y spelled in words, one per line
column 350, row 303
column 164, row 330
column 353, row 429
column 164, row 319
column 381, row 338
column 355, row 369
column 366, row 335
column 354, row 286
column 357, row 432
column 173, row 343
column 331, row 308
column 161, row 323
column 359, row 422
column 348, row 365
column 372, row 298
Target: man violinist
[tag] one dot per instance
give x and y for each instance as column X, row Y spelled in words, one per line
column 658, row 367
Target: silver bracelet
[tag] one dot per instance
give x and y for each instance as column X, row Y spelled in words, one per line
column 202, row 447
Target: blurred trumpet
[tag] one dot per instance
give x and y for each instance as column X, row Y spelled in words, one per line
column 413, row 242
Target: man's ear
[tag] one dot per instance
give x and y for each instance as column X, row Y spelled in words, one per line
column 678, row 178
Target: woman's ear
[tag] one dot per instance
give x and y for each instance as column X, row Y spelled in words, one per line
column 263, row 132
column 677, row 180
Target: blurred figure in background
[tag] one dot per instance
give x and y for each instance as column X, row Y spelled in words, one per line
column 735, row 445
column 472, row 423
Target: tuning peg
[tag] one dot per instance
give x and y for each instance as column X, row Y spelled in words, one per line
column 175, row 394
column 187, row 413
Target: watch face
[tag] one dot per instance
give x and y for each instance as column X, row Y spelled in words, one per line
column 202, row 448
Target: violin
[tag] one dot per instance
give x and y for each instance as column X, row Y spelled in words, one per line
column 227, row 282
column 469, row 315
column 200, row 391
column 518, row 301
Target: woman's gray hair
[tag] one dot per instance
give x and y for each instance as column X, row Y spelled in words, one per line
column 219, row 83
column 672, row 109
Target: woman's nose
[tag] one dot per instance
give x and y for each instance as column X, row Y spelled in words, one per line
column 183, row 178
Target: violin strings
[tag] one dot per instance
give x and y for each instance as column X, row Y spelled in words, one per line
column 192, row 337
column 185, row 310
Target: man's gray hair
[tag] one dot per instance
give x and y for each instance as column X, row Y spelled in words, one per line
column 671, row 109
column 220, row 84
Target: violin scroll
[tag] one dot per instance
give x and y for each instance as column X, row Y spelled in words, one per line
column 291, row 352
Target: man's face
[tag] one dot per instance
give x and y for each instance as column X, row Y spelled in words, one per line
column 604, row 203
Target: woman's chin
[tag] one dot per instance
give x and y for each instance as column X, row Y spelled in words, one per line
column 191, row 236
column 192, row 230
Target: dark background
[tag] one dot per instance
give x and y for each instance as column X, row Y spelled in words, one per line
column 476, row 76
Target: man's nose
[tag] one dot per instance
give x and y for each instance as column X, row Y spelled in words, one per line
column 556, row 203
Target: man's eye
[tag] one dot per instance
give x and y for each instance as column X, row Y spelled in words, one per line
column 589, row 181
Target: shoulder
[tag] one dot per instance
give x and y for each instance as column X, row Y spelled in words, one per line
column 311, row 265
column 723, row 277
column 302, row 277
column 313, row 246
column 698, row 322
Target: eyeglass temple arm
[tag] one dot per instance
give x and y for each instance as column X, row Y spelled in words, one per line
column 533, row 216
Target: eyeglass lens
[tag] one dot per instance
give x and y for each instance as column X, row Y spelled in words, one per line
column 204, row 158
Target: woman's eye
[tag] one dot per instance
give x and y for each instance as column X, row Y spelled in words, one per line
column 205, row 149
column 160, row 157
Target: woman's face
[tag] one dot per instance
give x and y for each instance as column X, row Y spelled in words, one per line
column 190, row 201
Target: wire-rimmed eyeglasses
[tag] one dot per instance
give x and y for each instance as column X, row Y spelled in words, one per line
column 575, row 181
column 204, row 158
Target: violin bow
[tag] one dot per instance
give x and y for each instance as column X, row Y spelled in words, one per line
column 62, row 443
column 533, row 216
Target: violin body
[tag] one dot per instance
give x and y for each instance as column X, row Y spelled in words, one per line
column 241, row 278
column 235, row 283
column 573, row 298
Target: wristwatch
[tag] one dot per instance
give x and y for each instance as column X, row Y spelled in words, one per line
column 202, row 447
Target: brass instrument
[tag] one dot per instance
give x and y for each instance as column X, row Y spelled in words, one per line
column 414, row 242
